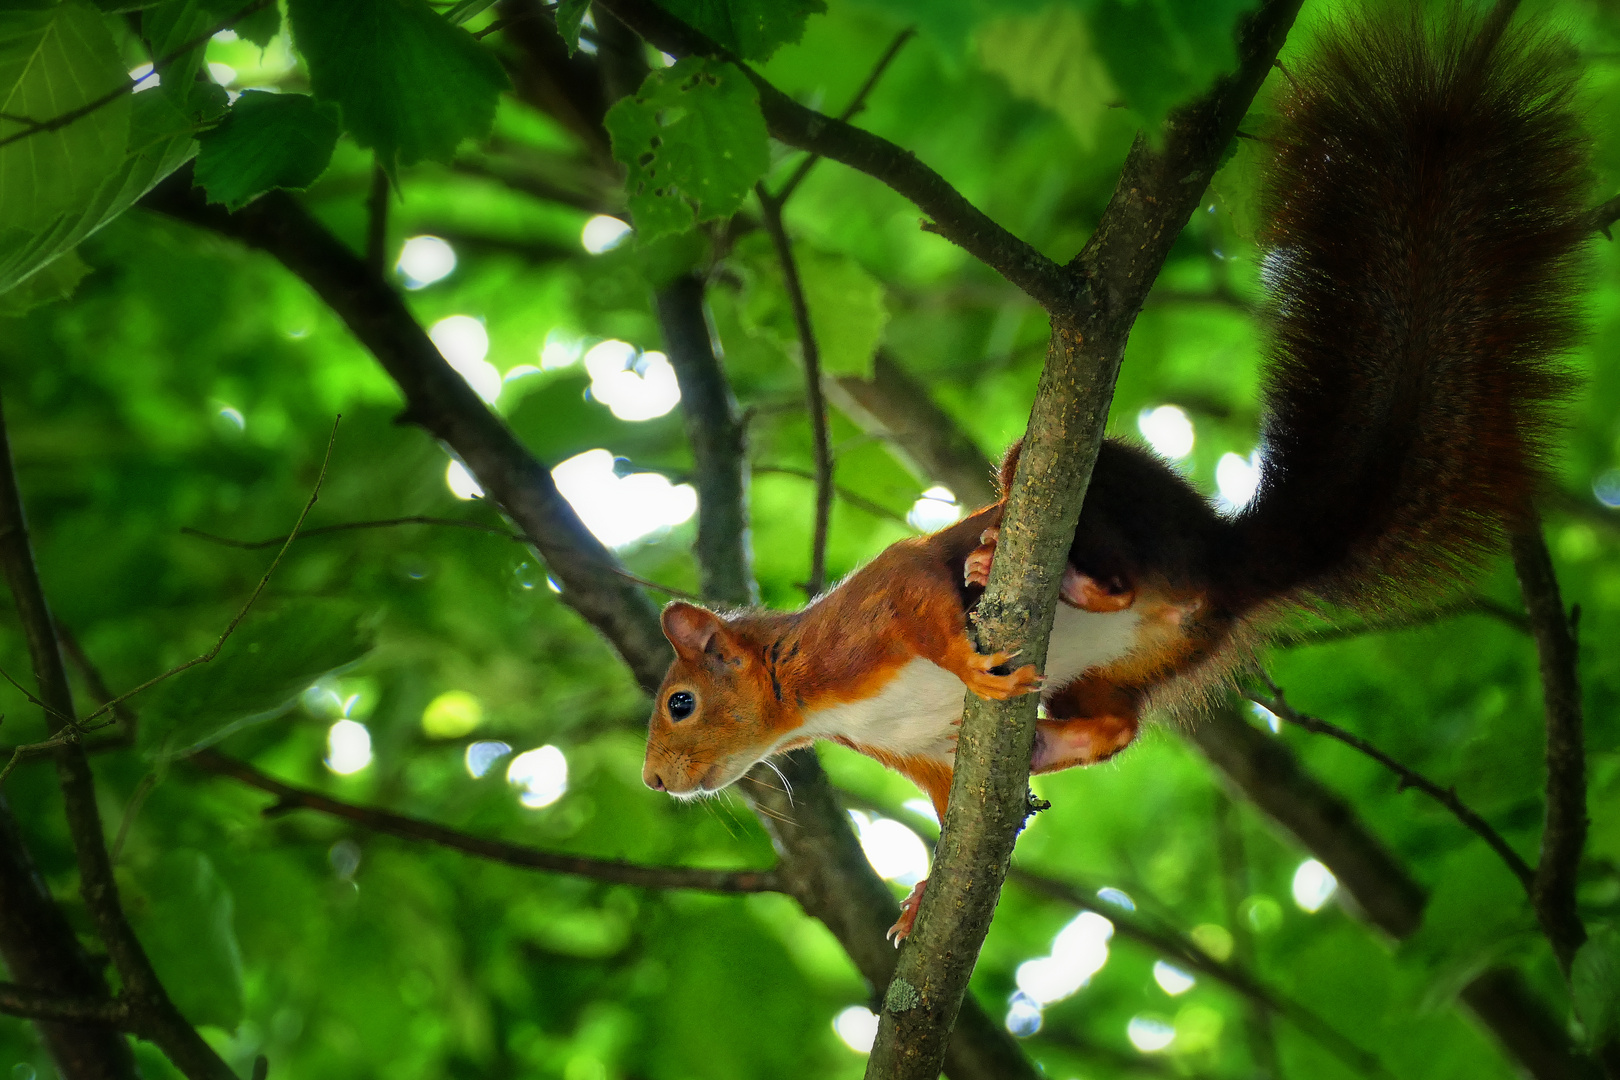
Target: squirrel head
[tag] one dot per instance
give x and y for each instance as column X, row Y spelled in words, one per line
column 717, row 712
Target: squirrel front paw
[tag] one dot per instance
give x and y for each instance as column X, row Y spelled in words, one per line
column 982, row 679
column 908, row 914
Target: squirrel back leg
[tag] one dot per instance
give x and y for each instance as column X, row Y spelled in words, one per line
column 1090, row 720
column 1077, row 590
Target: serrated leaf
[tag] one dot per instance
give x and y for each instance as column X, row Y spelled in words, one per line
column 753, row 29
column 259, row 26
column 188, row 928
column 1595, row 983
column 51, row 63
column 258, row 675
column 267, row 141
column 1161, row 53
column 1048, row 58
column 570, row 15
column 56, row 280
column 847, row 308
column 177, row 33
column 693, row 142
column 409, row 84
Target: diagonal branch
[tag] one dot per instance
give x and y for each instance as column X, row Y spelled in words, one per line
column 63, row 1008
column 822, row 863
column 160, row 1020
column 290, row 797
column 1564, row 831
column 853, row 109
column 1158, row 191
column 770, row 212
column 1446, row 797
column 954, row 218
column 439, row 400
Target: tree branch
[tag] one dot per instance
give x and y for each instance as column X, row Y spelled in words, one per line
column 377, row 222
column 439, row 400
column 770, row 212
column 954, row 218
column 289, row 798
column 1446, row 797
column 1156, row 194
column 1564, row 830
column 853, row 109
column 35, row 1004
column 718, row 437
column 160, row 1021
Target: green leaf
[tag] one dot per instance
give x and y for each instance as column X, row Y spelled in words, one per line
column 1048, row 58
column 56, row 280
column 570, row 14
column 693, row 141
column 411, row 86
column 188, row 927
column 51, row 63
column 267, row 141
column 753, row 29
column 169, row 29
column 847, row 308
column 259, row 674
column 466, row 9
column 1164, row 52
column 1595, row 982
column 259, row 27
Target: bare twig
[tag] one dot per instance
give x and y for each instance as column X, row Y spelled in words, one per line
column 1409, row 778
column 289, row 797
column 43, row 1005
column 1564, row 831
column 853, row 109
column 384, row 523
column 771, row 214
column 55, row 123
column 1468, row 605
column 230, row 628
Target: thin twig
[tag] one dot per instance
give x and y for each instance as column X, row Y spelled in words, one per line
column 43, row 1005
column 1446, row 797
column 35, row 127
column 857, row 103
column 289, row 797
column 1563, row 833
column 257, row 590
column 1468, row 605
column 771, row 214
column 131, row 810
column 493, row 530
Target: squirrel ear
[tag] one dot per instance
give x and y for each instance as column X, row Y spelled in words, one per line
column 691, row 629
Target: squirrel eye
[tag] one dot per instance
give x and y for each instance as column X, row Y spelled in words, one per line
column 681, row 704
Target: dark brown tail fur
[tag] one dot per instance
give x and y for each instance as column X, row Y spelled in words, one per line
column 1425, row 205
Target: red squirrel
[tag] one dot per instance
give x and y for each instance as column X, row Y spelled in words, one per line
column 1423, row 207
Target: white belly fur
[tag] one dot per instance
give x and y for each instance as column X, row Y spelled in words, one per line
column 916, row 712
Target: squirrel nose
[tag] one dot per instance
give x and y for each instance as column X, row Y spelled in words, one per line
column 653, row 780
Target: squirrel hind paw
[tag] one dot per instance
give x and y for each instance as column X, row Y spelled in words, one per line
column 908, row 914
column 976, row 570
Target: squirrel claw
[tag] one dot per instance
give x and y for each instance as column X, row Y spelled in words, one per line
column 908, row 914
column 976, row 570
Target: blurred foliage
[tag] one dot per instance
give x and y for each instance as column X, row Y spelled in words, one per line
column 187, row 383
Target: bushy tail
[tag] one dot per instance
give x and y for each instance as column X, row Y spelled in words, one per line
column 1425, row 201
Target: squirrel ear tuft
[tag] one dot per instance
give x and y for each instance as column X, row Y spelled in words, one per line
column 691, row 629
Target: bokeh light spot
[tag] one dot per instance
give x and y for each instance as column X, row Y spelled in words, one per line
column 603, row 233
column 542, row 775
column 1314, row 885
column 1168, row 429
column 348, row 747
column 424, row 260
column 452, row 714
